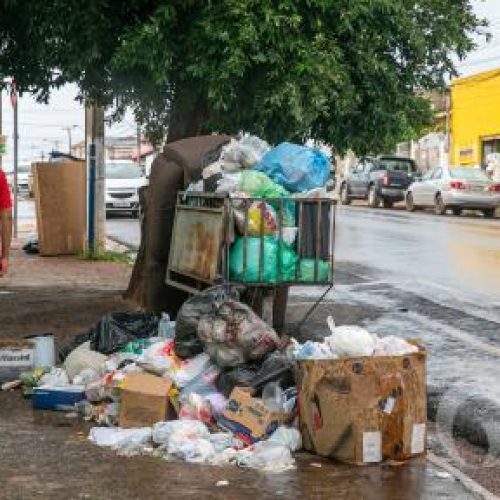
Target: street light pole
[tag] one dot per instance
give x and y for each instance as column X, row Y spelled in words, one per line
column 16, row 140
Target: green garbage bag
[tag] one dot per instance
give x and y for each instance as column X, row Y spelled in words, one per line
column 260, row 185
column 272, row 251
column 306, row 270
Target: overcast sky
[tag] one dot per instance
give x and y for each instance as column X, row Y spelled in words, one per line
column 41, row 127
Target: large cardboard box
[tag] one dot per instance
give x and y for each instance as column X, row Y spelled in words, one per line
column 145, row 401
column 16, row 356
column 364, row 410
column 61, row 206
column 249, row 418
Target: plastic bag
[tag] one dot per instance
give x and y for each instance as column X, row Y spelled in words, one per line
column 235, row 329
column 191, row 450
column 258, row 184
column 246, row 152
column 81, row 358
column 189, row 370
column 350, row 341
column 272, row 251
column 393, row 346
column 186, row 341
column 266, row 456
column 314, row 350
column 259, row 214
column 196, row 407
column 287, row 436
column 275, row 368
column 115, row 330
column 203, row 384
column 126, row 441
column 296, row 168
column 56, row 377
column 307, row 267
column 181, row 429
column 229, row 183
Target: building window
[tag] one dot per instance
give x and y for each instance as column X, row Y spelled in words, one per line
column 490, row 145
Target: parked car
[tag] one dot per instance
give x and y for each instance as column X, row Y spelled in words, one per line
column 383, row 179
column 454, row 189
column 123, row 180
column 23, row 172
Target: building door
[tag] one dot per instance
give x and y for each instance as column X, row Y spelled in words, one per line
column 489, row 146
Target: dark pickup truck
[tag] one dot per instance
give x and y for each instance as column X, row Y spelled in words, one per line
column 383, row 179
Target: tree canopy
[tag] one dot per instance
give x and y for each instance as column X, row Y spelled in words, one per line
column 349, row 73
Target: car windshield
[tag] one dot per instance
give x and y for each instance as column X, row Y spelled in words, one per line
column 468, row 174
column 123, row 171
column 397, row 164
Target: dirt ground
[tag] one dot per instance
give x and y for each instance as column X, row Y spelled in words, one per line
column 47, row 454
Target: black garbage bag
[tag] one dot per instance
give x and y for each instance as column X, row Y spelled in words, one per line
column 275, row 368
column 186, row 343
column 115, row 330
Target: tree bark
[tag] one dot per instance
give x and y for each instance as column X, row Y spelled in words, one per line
column 189, row 113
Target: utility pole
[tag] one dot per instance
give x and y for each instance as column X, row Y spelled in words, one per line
column 13, row 100
column 138, row 144
column 68, row 130
column 94, row 141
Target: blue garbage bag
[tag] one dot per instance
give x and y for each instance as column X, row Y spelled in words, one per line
column 296, row 168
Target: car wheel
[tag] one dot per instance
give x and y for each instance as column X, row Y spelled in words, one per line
column 489, row 213
column 456, row 211
column 373, row 200
column 388, row 204
column 344, row 195
column 410, row 205
column 439, row 206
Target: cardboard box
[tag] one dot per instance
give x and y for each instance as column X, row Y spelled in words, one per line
column 144, row 400
column 364, row 410
column 16, row 356
column 249, row 418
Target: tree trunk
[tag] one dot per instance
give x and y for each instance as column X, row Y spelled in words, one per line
column 189, row 113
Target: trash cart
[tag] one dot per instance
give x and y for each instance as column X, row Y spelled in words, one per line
column 262, row 246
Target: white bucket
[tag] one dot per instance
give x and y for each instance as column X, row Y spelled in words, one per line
column 45, row 351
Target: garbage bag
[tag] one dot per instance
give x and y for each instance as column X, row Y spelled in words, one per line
column 125, row 441
column 273, row 251
column 234, row 330
column 260, row 215
column 246, row 152
column 186, row 342
column 275, row 368
column 258, row 184
column 81, row 358
column 115, row 330
column 266, row 456
column 350, row 341
column 296, row 168
column 307, row 267
column 179, row 429
column 287, row 436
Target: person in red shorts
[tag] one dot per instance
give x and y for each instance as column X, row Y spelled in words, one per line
column 5, row 222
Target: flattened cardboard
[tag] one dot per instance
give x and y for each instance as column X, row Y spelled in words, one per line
column 343, row 402
column 144, row 400
column 250, row 417
column 61, row 207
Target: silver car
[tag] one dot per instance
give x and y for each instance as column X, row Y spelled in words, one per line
column 455, row 189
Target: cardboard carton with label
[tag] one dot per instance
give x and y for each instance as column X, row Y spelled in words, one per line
column 364, row 410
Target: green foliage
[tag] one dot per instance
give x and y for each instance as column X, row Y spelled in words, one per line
column 341, row 71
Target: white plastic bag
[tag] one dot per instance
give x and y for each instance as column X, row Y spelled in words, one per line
column 266, row 456
column 83, row 357
column 350, row 341
column 229, row 183
column 190, row 369
column 179, row 429
column 287, row 436
column 393, row 346
column 190, row 450
column 126, row 441
column 57, row 377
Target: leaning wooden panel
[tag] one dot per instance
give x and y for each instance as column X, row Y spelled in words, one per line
column 61, row 208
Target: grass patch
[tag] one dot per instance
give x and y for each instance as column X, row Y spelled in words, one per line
column 107, row 256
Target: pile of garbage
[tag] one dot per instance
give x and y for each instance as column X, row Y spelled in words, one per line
column 265, row 185
column 215, row 387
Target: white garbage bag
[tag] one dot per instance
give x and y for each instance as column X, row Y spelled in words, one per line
column 287, row 436
column 350, row 341
column 125, row 441
column 266, row 456
column 393, row 346
column 186, row 429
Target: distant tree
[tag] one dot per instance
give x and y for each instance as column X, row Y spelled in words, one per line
column 346, row 72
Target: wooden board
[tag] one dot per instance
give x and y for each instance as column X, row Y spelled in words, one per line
column 61, row 207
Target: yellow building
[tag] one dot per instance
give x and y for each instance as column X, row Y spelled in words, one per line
column 475, row 118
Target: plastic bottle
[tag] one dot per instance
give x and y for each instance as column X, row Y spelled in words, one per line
column 165, row 329
column 273, row 396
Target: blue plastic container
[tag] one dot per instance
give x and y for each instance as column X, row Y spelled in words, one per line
column 57, row 398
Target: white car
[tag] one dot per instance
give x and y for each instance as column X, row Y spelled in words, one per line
column 123, row 181
column 455, row 189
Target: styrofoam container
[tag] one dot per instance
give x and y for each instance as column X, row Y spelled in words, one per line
column 45, row 350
